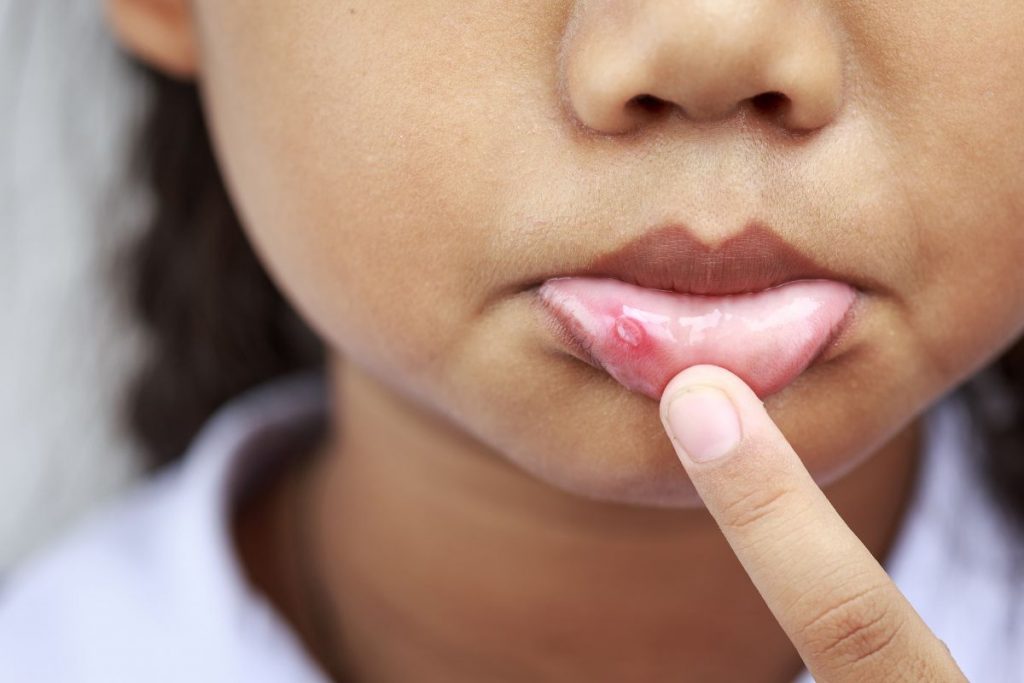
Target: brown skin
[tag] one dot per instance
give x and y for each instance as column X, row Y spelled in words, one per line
column 487, row 503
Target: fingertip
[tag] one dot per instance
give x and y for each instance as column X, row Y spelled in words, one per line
column 710, row 376
column 704, row 424
column 701, row 409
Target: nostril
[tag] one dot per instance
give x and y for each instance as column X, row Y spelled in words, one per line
column 767, row 103
column 770, row 103
column 648, row 103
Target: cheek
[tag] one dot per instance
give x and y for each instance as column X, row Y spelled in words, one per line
column 976, row 297
column 348, row 178
column 968, row 300
column 948, row 103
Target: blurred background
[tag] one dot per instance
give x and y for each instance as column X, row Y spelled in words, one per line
column 68, row 104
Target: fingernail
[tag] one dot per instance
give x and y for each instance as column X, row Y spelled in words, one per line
column 704, row 423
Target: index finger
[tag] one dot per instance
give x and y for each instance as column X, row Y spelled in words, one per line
column 846, row 617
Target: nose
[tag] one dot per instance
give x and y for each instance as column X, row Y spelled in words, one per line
column 626, row 62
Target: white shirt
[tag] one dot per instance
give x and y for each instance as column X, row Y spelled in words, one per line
column 151, row 590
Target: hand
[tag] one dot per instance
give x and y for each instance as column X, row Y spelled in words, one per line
column 846, row 617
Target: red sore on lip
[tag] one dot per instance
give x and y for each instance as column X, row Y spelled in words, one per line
column 630, row 331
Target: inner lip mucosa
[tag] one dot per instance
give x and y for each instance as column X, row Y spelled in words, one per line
column 644, row 337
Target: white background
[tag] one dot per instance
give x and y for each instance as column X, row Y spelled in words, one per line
column 67, row 107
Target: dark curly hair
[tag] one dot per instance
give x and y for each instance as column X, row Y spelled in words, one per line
column 218, row 325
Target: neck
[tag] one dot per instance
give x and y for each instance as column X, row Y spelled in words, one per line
column 445, row 562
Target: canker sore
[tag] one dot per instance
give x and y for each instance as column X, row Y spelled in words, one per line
column 629, row 331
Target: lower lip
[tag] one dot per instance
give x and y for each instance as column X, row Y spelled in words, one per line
column 644, row 337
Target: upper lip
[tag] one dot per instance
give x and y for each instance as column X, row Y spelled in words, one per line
column 672, row 258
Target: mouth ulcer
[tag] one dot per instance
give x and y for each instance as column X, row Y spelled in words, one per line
column 643, row 337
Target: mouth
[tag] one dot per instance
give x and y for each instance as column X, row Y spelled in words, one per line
column 755, row 306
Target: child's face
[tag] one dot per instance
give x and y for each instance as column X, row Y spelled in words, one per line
column 411, row 171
